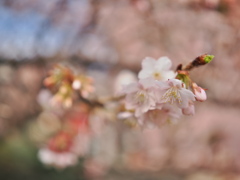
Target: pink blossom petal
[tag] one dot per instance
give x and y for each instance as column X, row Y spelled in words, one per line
column 131, row 88
column 189, row 110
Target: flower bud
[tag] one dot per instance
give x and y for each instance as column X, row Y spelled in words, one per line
column 208, row 58
column 199, row 92
column 76, row 84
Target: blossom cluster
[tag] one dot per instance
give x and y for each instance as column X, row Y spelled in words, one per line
column 160, row 96
column 64, row 148
column 67, row 85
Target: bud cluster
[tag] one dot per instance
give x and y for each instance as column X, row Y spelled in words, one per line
column 67, row 85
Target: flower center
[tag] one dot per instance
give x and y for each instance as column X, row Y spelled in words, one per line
column 140, row 97
column 172, row 95
column 157, row 75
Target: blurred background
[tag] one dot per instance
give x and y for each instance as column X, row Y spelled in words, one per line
column 107, row 39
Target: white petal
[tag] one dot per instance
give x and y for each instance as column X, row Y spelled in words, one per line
column 189, row 110
column 162, row 85
column 138, row 112
column 145, row 73
column 168, row 75
column 46, row 156
column 159, row 106
column 148, row 63
column 148, row 104
column 186, row 96
column 173, row 110
column 175, row 82
column 147, row 83
column 163, row 63
column 130, row 88
column 142, row 109
column 129, row 101
column 124, row 115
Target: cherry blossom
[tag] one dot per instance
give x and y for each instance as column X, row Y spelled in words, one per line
column 140, row 96
column 84, row 84
column 57, row 159
column 159, row 117
column 156, row 69
column 176, row 93
column 153, row 118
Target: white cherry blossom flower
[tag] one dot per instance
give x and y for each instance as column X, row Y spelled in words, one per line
column 156, row 69
column 140, row 96
column 153, row 118
column 123, row 78
column 176, row 93
column 159, row 117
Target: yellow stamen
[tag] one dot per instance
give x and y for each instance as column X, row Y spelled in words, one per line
column 157, row 75
column 172, row 95
column 140, row 97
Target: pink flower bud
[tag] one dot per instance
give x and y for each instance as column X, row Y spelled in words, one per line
column 199, row 92
column 190, row 110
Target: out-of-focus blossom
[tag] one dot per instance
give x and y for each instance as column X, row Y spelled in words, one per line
column 124, row 78
column 64, row 148
column 156, row 69
column 81, row 143
column 199, row 92
column 57, row 159
column 76, row 84
column 84, row 84
column 158, row 117
column 63, row 97
column 58, row 152
column 62, row 142
column 153, row 118
column 58, row 75
column 173, row 111
column 128, row 118
column 140, row 96
column 125, row 115
column 77, row 125
column 77, row 122
column 176, row 93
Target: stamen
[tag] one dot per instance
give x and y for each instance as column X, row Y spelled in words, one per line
column 140, row 97
column 172, row 95
column 157, row 75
